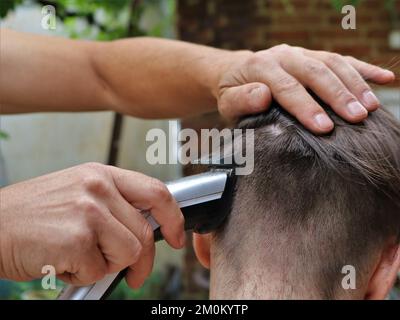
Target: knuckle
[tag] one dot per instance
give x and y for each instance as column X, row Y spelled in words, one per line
column 83, row 238
column 160, row 191
column 263, row 59
column 255, row 59
column 95, row 183
column 87, row 205
column 281, row 48
column 359, row 85
column 286, row 86
column 89, row 210
column 335, row 59
column 344, row 95
column 314, row 67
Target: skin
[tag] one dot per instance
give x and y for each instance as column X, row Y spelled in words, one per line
column 377, row 280
column 87, row 224
column 80, row 224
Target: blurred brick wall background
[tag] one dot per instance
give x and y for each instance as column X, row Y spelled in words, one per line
column 315, row 24
column 260, row 24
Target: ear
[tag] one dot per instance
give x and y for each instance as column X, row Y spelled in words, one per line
column 385, row 273
column 201, row 245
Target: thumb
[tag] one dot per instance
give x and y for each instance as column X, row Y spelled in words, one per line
column 249, row 98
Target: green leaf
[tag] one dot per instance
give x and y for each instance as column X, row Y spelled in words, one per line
column 390, row 4
column 4, row 135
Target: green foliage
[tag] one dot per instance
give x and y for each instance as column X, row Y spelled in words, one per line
column 33, row 289
column 105, row 19
column 288, row 6
column 390, row 4
column 27, row 290
column 3, row 135
column 339, row 4
column 7, row 5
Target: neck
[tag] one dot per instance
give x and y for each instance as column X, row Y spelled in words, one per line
column 254, row 287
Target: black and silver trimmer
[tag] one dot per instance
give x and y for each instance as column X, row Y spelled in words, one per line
column 205, row 200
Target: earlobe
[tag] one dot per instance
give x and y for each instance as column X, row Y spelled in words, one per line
column 201, row 245
column 385, row 273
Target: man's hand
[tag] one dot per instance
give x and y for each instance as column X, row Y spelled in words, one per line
column 159, row 78
column 284, row 72
column 85, row 221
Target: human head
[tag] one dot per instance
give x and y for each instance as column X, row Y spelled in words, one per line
column 313, row 205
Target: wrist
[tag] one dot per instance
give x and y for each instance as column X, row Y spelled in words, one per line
column 98, row 54
column 228, row 61
column 8, row 235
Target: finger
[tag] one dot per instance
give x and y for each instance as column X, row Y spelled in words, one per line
column 139, row 272
column 319, row 78
column 294, row 98
column 249, row 98
column 92, row 267
column 350, row 77
column 354, row 82
column 150, row 194
column 131, row 218
column 372, row 73
column 119, row 246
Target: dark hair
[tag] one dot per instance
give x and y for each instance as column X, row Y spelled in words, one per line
column 313, row 203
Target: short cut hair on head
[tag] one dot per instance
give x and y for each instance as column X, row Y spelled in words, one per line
column 312, row 205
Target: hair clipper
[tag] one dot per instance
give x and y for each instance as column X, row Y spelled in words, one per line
column 205, row 201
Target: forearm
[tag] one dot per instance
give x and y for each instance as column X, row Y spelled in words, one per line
column 144, row 77
column 155, row 78
column 47, row 74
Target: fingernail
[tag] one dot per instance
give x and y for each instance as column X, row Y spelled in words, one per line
column 323, row 121
column 356, row 109
column 370, row 99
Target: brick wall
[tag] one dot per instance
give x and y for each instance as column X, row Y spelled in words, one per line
column 315, row 24
column 260, row 24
